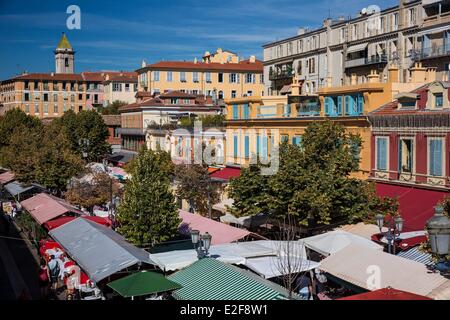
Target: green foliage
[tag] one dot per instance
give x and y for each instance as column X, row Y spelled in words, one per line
column 85, row 125
column 208, row 121
column 195, row 186
column 12, row 120
column 313, row 183
column 148, row 213
column 112, row 108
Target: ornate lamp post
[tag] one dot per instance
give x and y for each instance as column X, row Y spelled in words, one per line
column 395, row 227
column 201, row 243
column 438, row 228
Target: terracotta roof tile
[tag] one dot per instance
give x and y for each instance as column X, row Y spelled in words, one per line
column 111, row 119
column 244, row 65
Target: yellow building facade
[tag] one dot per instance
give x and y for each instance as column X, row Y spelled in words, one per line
column 221, row 75
column 255, row 124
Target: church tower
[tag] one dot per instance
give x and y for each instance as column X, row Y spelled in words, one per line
column 64, row 56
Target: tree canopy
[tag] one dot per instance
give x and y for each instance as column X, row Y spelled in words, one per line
column 148, row 213
column 112, row 108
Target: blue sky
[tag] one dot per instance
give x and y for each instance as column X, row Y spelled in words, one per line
column 118, row 35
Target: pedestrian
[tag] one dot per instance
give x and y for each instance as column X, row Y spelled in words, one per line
column 43, row 279
column 53, row 272
column 304, row 286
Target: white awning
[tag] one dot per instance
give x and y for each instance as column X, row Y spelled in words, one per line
column 373, row 269
column 331, row 242
column 270, row 267
column 357, row 47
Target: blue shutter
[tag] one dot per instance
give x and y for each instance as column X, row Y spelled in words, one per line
column 235, row 111
column 400, row 155
column 378, row 154
column 431, row 157
column 264, row 146
column 447, row 40
column 328, row 101
column 347, row 105
column 360, row 104
column 381, row 154
column 246, row 111
column 339, row 105
column 436, row 157
column 258, row 145
column 247, row 146
column 235, row 146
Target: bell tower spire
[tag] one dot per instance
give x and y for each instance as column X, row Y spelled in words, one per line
column 64, row 56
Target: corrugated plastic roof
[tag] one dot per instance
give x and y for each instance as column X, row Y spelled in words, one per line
column 210, row 279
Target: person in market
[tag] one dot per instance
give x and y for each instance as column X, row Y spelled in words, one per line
column 53, row 272
column 304, row 286
column 43, row 278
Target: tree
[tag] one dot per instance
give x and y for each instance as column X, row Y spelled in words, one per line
column 112, row 108
column 82, row 127
column 12, row 120
column 249, row 192
column 195, row 186
column 148, row 213
column 97, row 190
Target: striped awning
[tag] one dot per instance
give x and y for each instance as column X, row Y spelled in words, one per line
column 415, row 254
column 357, row 47
column 210, row 279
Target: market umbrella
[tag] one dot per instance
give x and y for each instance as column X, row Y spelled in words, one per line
column 143, row 283
column 386, row 294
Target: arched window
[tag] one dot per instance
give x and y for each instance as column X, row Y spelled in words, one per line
column 220, row 94
column 66, row 62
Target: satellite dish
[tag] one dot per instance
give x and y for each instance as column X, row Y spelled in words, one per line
column 364, row 11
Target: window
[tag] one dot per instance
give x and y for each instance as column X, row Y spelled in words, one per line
column 299, row 67
column 195, row 76
column 117, row 87
column 249, row 78
column 169, row 76
column 220, row 95
column 247, row 146
column 66, row 62
column 27, row 108
column 208, row 77
column 297, row 140
column 435, row 157
column 235, row 112
column 183, row 76
column 249, row 93
column 395, row 21
column 261, row 78
column 55, row 97
column 312, row 65
column 381, row 153
column 235, row 146
column 246, row 111
column 155, row 75
column 55, row 108
column 284, row 138
column 220, row 77
column 405, row 155
column 26, row 96
column 412, row 16
column 116, row 132
column 232, row 78
column 135, row 87
column 438, row 100
column 333, row 106
column 354, row 105
column 258, row 144
column 127, row 87
column 45, row 96
column 80, row 96
column 36, row 108
column 233, row 94
column 46, row 108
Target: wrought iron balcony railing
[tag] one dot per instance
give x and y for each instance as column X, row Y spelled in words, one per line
column 429, row 53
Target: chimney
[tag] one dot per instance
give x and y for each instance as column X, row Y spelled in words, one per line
column 51, row 74
column 393, row 75
column 431, row 74
column 418, row 73
column 107, row 77
column 252, row 59
column 373, row 77
column 143, row 64
column 195, row 60
column 353, row 79
column 341, row 18
column 296, row 87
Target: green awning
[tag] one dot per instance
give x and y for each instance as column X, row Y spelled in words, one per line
column 210, row 279
column 143, row 283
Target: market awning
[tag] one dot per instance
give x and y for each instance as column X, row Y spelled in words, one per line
column 6, row 177
column 286, row 89
column 210, row 279
column 357, row 47
column 222, row 206
column 220, row 232
column 98, row 250
column 44, row 207
column 361, row 229
column 331, row 242
column 143, row 283
column 270, row 267
column 15, row 188
column 405, row 240
column 355, row 264
column 58, row 222
column 226, row 174
column 417, row 255
column 386, row 294
column 416, row 206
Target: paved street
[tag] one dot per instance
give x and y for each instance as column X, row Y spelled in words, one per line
column 18, row 268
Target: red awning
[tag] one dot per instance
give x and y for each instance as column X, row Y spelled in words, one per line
column 416, row 205
column 386, row 294
column 53, row 224
column 226, row 174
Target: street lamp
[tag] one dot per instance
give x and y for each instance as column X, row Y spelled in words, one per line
column 201, row 243
column 438, row 228
column 395, row 227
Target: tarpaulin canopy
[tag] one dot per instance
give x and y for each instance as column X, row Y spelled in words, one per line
column 6, row 177
column 56, row 223
column 220, row 232
column 386, row 294
column 406, row 240
column 334, row 241
column 98, row 250
column 143, row 283
column 246, row 221
column 361, row 229
column 355, row 264
column 210, row 279
column 226, row 174
column 44, row 207
column 270, row 267
column 416, row 206
column 15, row 188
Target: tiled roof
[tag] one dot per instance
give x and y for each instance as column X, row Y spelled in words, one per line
column 99, row 76
column 111, row 119
column 244, row 65
column 177, row 94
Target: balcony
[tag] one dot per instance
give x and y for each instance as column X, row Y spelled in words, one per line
column 310, row 109
column 375, row 59
column 281, row 74
column 430, row 53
